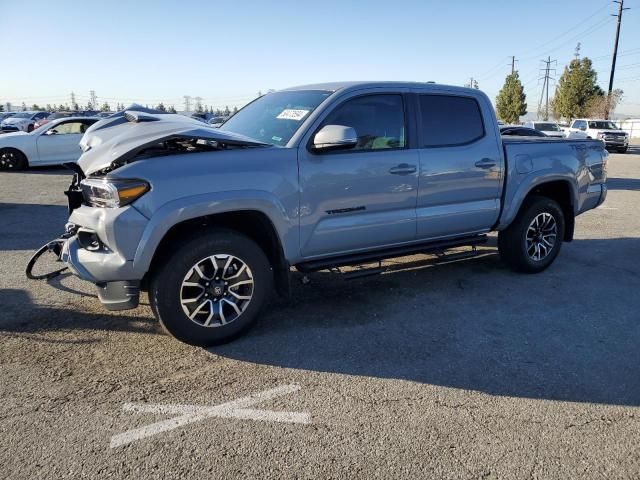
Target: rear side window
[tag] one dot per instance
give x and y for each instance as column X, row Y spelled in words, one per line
column 377, row 119
column 449, row 120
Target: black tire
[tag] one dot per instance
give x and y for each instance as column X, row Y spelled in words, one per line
column 512, row 242
column 166, row 287
column 623, row 150
column 12, row 160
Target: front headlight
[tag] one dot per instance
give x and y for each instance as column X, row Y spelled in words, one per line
column 112, row 193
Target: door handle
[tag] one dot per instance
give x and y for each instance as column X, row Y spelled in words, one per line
column 403, row 169
column 485, row 163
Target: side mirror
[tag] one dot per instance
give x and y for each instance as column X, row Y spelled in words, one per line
column 335, row 137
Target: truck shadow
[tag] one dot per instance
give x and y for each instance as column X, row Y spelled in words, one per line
column 45, row 223
column 570, row 333
column 623, row 183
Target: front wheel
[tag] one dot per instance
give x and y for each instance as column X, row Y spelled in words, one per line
column 211, row 288
column 532, row 242
column 12, row 159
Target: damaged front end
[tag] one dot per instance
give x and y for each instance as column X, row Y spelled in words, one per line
column 100, row 240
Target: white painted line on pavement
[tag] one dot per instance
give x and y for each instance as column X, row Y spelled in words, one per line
column 193, row 413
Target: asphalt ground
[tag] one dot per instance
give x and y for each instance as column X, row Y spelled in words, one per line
column 439, row 369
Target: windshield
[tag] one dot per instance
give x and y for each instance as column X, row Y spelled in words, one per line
column 603, row 125
column 547, row 127
column 275, row 117
column 22, row 115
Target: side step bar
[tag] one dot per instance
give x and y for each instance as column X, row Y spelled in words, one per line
column 377, row 255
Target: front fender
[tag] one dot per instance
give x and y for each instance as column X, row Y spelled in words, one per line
column 188, row 208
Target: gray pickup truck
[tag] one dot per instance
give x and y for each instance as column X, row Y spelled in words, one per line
column 210, row 221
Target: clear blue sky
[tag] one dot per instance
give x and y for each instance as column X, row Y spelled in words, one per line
column 226, row 51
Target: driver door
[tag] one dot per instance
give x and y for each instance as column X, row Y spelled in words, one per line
column 60, row 143
column 363, row 197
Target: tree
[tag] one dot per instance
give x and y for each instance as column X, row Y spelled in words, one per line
column 172, row 109
column 35, row 106
column 577, row 90
column 161, row 107
column 8, row 106
column 24, row 107
column 76, row 107
column 105, row 107
column 226, row 112
column 1, row 108
column 602, row 106
column 48, row 107
column 511, row 100
column 235, row 110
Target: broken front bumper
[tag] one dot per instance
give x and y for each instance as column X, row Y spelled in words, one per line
column 101, row 251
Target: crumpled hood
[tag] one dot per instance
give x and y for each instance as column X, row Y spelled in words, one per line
column 114, row 138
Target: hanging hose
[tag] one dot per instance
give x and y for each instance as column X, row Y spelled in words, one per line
column 55, row 247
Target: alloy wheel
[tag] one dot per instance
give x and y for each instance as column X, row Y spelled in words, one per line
column 216, row 290
column 541, row 236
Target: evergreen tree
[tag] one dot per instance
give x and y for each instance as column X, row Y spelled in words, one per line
column 511, row 100
column 76, row 107
column 172, row 109
column 105, row 107
column 577, row 90
column 1, row 108
column 226, row 111
column 48, row 107
column 161, row 107
column 24, row 107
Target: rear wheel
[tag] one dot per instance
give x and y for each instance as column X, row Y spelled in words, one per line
column 532, row 242
column 211, row 289
column 12, row 159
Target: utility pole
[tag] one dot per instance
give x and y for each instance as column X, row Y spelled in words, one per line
column 473, row 83
column 513, row 64
column 93, row 99
column 545, row 88
column 73, row 101
column 187, row 103
column 615, row 52
column 576, row 52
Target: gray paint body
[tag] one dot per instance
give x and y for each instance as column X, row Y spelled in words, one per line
column 442, row 193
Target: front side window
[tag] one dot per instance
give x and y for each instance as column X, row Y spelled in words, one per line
column 377, row 119
column 274, row 118
column 450, row 120
column 70, row 128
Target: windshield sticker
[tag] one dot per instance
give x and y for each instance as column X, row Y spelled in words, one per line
column 276, row 139
column 291, row 114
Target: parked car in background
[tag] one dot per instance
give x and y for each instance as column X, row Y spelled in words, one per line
column 22, row 121
column 520, row 131
column 218, row 120
column 210, row 221
column 550, row 129
column 613, row 137
column 54, row 116
column 4, row 115
column 55, row 143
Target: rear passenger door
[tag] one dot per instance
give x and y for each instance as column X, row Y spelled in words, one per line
column 461, row 165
